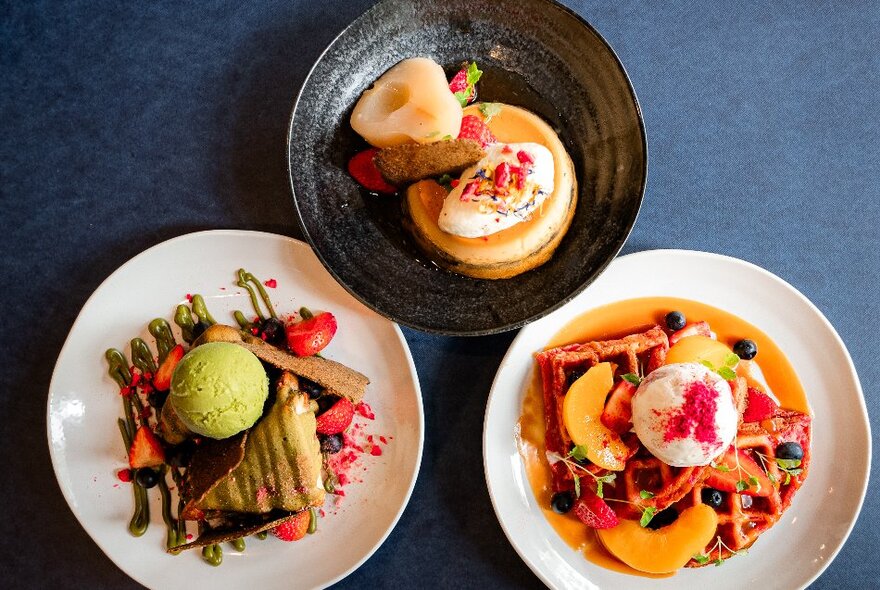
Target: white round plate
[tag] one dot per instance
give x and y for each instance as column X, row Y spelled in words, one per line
column 809, row 534
column 84, row 405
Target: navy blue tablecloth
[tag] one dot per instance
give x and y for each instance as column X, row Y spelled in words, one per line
column 127, row 123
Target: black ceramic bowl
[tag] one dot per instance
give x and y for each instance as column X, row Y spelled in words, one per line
column 535, row 54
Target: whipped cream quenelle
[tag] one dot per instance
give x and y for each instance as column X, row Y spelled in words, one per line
column 503, row 189
column 684, row 414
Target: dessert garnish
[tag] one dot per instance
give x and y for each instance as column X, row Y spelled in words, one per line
column 669, row 443
column 246, row 420
column 490, row 189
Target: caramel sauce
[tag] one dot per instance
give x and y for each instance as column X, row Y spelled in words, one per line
column 614, row 321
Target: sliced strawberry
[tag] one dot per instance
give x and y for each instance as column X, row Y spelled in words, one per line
column 617, row 415
column 336, row 418
column 725, row 475
column 295, row 528
column 310, row 336
column 162, row 380
column 759, row 406
column 362, row 168
column 695, row 329
column 473, row 127
column 593, row 511
column 146, row 450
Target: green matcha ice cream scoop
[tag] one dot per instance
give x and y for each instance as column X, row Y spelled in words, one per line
column 218, row 389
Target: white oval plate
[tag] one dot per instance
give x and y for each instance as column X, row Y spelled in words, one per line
column 83, row 406
column 823, row 513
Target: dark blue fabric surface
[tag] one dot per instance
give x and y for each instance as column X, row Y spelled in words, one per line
column 125, row 124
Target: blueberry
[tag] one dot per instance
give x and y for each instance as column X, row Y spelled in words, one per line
column 712, row 497
column 790, row 450
column 675, row 320
column 180, row 455
column 330, row 444
column 325, row 402
column 663, row 518
column 157, row 399
column 746, row 349
column 574, row 376
column 272, row 331
column 199, row 328
column 561, row 502
column 146, row 477
column 311, row 388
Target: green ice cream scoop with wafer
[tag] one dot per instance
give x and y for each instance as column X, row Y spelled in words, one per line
column 218, row 389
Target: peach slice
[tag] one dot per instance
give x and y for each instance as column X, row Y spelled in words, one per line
column 694, row 349
column 581, row 414
column 663, row 550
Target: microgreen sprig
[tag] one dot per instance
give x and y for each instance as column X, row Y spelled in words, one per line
column 788, row 466
column 579, row 453
column 704, row 558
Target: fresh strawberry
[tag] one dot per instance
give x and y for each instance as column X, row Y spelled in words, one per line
column 309, row 337
column 362, row 168
column 146, row 450
column 295, row 528
column 725, row 475
column 463, row 84
column 695, row 329
column 336, row 418
column 162, row 380
column 459, row 84
column 759, row 406
column 593, row 511
column 473, row 127
column 617, row 415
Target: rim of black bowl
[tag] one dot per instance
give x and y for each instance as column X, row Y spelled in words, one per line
column 510, row 325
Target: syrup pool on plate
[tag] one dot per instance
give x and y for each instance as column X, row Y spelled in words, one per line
column 617, row 320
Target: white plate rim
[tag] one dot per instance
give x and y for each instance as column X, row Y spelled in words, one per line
column 235, row 233
column 571, row 309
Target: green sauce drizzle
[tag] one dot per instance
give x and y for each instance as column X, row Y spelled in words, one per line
column 243, row 323
column 248, row 281
column 313, row 521
column 238, row 544
column 161, row 331
column 183, row 318
column 201, row 310
column 173, row 538
column 213, row 554
column 262, row 535
column 119, row 370
column 142, row 356
column 140, row 520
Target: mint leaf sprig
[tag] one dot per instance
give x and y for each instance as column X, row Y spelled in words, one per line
column 489, row 110
column 704, row 558
column 726, row 371
column 632, row 378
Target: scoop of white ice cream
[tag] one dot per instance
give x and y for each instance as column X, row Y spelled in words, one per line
column 504, row 188
column 684, row 414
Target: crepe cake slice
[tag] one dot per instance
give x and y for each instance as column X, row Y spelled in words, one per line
column 279, row 468
column 251, row 524
column 335, row 377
